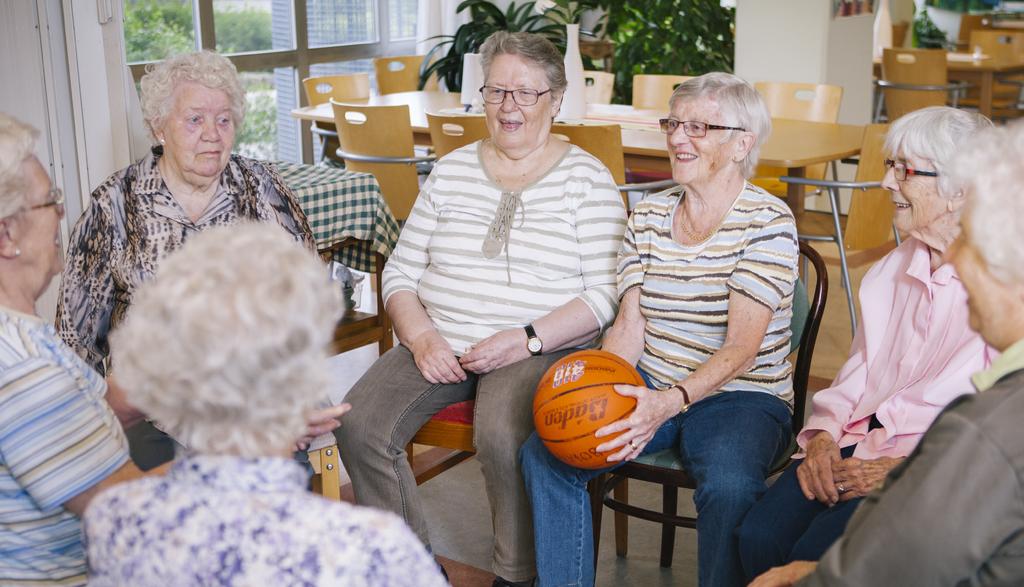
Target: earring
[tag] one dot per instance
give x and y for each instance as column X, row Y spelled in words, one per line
column 17, row 252
column 162, row 141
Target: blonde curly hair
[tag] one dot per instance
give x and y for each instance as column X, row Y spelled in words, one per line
column 226, row 348
column 202, row 67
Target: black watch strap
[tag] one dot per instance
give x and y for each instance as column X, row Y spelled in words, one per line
column 535, row 348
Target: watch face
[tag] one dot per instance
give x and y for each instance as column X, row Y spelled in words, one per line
column 533, row 345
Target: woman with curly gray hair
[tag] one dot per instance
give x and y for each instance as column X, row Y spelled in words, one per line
column 190, row 182
column 237, row 394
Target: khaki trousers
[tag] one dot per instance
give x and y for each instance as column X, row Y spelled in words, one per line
column 392, row 401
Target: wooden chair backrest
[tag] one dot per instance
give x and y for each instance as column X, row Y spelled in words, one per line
column 970, row 23
column 603, row 141
column 322, row 89
column 652, row 91
column 798, row 101
column 600, row 86
column 899, row 33
column 448, row 133
column 381, row 131
column 869, row 223
column 400, row 74
column 998, row 44
column 917, row 67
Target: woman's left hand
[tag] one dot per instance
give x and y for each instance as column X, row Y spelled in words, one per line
column 653, row 408
column 858, row 477
column 496, row 351
column 785, row 576
column 321, row 422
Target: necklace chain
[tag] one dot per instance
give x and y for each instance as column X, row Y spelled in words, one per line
column 693, row 236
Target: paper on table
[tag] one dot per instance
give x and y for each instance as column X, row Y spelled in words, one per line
column 965, row 57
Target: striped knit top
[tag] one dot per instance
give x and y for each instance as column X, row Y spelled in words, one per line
column 58, row 437
column 685, row 290
column 565, row 231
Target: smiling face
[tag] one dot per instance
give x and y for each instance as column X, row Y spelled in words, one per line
column 198, row 133
column 921, row 210
column 696, row 161
column 519, row 130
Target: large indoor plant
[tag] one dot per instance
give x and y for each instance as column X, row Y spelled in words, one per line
column 680, row 37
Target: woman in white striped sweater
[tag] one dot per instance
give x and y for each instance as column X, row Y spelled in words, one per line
column 705, row 279
column 506, row 263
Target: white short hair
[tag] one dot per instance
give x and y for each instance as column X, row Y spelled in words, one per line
column 936, row 135
column 990, row 167
column 17, row 143
column 738, row 101
column 226, row 348
column 206, row 68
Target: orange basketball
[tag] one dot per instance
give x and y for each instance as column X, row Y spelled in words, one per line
column 575, row 397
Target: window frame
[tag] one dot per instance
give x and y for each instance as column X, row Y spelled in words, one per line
column 301, row 57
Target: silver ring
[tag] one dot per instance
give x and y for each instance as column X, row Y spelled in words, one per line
column 841, row 488
column 633, row 444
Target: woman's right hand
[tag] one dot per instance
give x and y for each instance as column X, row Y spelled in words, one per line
column 435, row 359
column 815, row 473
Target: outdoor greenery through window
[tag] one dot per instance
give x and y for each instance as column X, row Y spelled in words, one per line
column 260, row 37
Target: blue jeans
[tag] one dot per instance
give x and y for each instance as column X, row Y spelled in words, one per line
column 727, row 442
column 785, row 526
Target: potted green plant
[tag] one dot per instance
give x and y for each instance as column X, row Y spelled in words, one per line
column 485, row 18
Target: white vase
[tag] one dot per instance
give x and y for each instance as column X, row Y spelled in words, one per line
column 883, row 29
column 574, row 102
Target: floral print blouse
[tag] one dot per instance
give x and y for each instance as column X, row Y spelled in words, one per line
column 133, row 222
column 229, row 521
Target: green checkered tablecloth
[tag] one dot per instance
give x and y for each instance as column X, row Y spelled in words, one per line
column 341, row 204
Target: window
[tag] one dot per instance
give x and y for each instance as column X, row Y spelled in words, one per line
column 260, row 37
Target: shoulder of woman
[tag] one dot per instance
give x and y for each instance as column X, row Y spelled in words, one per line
column 579, row 162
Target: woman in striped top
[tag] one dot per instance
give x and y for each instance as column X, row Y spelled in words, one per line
column 507, row 262
column 705, row 282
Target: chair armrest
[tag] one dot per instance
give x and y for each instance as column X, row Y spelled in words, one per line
column 951, row 86
column 661, row 184
column 824, row 183
column 390, row 160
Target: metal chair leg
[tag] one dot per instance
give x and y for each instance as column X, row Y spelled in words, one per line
column 833, row 196
column 896, row 233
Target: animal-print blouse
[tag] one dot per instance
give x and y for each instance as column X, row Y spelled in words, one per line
column 133, row 222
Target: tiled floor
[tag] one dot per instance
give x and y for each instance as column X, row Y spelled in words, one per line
column 457, row 507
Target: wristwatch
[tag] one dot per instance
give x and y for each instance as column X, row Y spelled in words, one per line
column 533, row 342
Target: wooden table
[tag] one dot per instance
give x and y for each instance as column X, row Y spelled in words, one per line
column 793, row 144
column 981, row 73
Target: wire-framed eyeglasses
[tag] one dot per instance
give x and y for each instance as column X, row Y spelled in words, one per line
column 522, row 96
column 56, row 196
column 900, row 170
column 693, row 128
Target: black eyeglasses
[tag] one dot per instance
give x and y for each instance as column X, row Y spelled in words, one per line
column 693, row 129
column 900, row 170
column 56, row 199
column 522, row 97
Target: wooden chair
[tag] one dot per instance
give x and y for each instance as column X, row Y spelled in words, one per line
column 913, row 79
column 400, row 74
column 968, row 24
column 652, row 91
column 322, row 89
column 797, row 101
column 604, row 141
column 869, row 223
column 665, row 467
column 1006, row 92
column 449, row 132
column 378, row 140
column 600, row 86
column 899, row 33
column 355, row 329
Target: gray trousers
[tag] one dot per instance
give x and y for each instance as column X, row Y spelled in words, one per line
column 392, row 401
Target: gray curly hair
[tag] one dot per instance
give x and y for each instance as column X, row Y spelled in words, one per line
column 227, row 349
column 533, row 48
column 738, row 102
column 990, row 167
column 17, row 143
column 202, row 67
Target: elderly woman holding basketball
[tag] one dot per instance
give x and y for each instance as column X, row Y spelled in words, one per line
column 705, row 281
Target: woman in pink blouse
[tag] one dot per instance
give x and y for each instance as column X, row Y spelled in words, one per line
column 913, row 354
